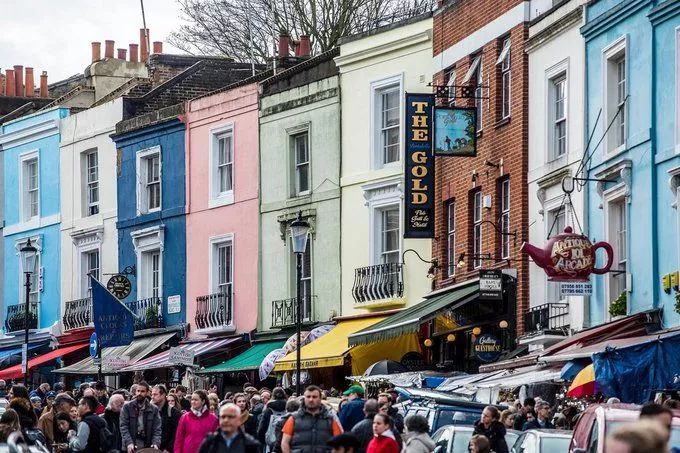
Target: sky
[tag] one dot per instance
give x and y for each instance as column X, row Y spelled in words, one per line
column 55, row 35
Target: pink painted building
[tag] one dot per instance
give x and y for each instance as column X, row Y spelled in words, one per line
column 222, row 211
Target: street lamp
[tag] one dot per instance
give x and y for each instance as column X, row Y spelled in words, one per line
column 299, row 230
column 28, row 259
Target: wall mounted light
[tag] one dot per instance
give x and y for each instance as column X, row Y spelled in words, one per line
column 503, row 324
column 427, row 343
column 476, row 331
column 451, row 338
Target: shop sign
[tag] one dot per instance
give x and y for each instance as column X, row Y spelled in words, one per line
column 119, row 285
column 455, row 131
column 576, row 289
column 419, row 196
column 115, row 362
column 413, row 361
column 487, row 348
column 569, row 257
column 491, row 284
column 174, row 304
column 181, row 356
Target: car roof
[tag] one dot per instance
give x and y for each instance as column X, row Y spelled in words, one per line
column 551, row 432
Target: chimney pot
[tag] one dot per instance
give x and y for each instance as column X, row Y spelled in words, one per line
column 122, row 54
column 134, row 53
column 304, row 47
column 10, row 87
column 284, row 45
column 96, row 51
column 144, row 39
column 19, row 80
column 108, row 48
column 30, row 85
column 43, row 85
column 157, row 47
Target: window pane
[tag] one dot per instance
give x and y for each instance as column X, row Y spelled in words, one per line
column 301, row 155
column 155, row 274
column 224, row 264
column 391, row 144
column 390, row 108
column 390, row 235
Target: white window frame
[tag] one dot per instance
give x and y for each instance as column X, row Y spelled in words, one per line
column 296, row 165
column 377, row 87
column 145, row 242
column 141, row 170
column 556, row 72
column 616, row 195
column 380, row 196
column 504, row 60
column 504, row 220
column 477, row 231
column 85, row 242
column 85, row 290
column 217, row 197
column 610, row 55
column 214, row 242
column 24, row 160
column 451, row 238
column 479, row 91
column 88, row 184
column 552, row 289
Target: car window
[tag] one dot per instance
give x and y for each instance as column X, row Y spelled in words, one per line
column 510, row 438
column 556, row 444
column 675, row 437
column 517, row 446
column 441, row 439
column 461, row 441
column 594, row 434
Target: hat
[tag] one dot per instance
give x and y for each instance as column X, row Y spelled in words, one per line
column 51, row 395
column 346, row 440
column 35, row 398
column 359, row 390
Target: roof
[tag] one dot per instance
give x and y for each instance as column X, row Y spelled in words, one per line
column 250, row 359
column 327, row 56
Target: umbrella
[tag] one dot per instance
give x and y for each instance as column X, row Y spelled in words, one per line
column 385, row 367
column 584, row 383
column 269, row 361
column 571, row 369
column 319, row 332
column 291, row 343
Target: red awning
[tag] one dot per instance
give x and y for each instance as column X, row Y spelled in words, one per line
column 15, row 371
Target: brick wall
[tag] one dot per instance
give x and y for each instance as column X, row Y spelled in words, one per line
column 499, row 139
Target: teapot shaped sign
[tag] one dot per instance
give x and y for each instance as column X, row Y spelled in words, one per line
column 569, row 257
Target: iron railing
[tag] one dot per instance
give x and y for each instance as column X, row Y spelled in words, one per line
column 14, row 321
column 284, row 311
column 378, row 282
column 214, row 310
column 547, row 317
column 77, row 314
column 148, row 312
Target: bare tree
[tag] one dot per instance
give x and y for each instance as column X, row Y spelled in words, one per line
column 245, row 29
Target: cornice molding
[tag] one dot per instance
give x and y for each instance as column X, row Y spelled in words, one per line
column 372, row 52
column 664, row 11
column 29, row 134
column 608, row 19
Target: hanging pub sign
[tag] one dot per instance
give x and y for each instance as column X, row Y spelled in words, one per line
column 491, row 284
column 488, row 347
column 455, row 131
column 419, row 196
column 569, row 257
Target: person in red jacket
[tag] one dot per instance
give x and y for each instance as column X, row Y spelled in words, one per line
column 383, row 432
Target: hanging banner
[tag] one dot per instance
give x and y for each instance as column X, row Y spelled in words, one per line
column 455, row 131
column 419, row 196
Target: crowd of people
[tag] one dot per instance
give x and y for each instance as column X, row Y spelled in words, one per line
column 92, row 419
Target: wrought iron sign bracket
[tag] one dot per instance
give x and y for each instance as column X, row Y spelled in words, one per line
column 434, row 264
column 502, row 233
column 568, row 182
column 459, row 91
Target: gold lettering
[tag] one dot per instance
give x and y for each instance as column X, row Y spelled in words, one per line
column 419, row 198
column 417, row 185
column 419, row 121
column 419, row 171
column 420, row 135
column 419, row 157
column 420, row 106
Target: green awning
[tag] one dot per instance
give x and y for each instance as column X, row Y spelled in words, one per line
column 250, row 359
column 409, row 320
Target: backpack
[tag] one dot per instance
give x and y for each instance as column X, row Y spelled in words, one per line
column 105, row 435
column 270, row 435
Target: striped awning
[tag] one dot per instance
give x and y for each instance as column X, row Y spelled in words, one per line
column 161, row 360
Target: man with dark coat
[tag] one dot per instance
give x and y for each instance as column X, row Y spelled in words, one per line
column 112, row 418
column 363, row 430
column 140, row 422
column 522, row 417
column 169, row 417
column 230, row 438
column 489, row 426
column 277, row 405
column 89, row 428
column 542, row 420
column 48, row 421
column 181, row 392
column 353, row 411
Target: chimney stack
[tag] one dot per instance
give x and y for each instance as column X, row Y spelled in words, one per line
column 122, row 54
column 143, row 48
column 108, row 48
column 19, row 80
column 304, row 47
column 284, row 45
column 134, row 53
column 96, row 51
column 30, row 85
column 10, row 89
column 157, row 47
column 43, row 85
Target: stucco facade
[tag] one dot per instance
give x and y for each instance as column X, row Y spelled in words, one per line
column 222, row 215
column 300, row 110
column 375, row 72
column 89, row 239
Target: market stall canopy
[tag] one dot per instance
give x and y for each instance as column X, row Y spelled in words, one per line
column 248, row 360
column 137, row 350
column 15, row 371
column 6, row 353
column 519, row 377
column 162, row 359
column 409, row 320
column 456, row 382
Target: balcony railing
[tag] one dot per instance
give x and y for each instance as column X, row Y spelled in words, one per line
column 379, row 282
column 551, row 317
column 77, row 314
column 14, row 321
column 214, row 311
column 148, row 312
column 284, row 312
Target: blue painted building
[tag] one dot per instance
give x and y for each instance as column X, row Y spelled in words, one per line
column 631, row 106
column 30, row 154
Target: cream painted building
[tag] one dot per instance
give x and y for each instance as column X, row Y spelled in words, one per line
column 377, row 68
column 89, row 239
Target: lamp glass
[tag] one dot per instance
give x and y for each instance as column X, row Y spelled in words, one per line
column 29, row 256
column 299, row 230
column 476, row 331
column 451, row 338
column 427, row 343
column 503, row 324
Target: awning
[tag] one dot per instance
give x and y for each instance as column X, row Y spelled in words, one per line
column 409, row 320
column 15, row 372
column 9, row 352
column 161, row 360
column 329, row 350
column 250, row 359
column 137, row 350
column 456, row 382
column 521, row 376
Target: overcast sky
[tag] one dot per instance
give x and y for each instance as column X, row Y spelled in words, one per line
column 55, row 35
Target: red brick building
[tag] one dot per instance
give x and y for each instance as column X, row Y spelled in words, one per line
column 480, row 44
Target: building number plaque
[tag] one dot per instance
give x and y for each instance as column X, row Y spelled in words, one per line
column 119, row 285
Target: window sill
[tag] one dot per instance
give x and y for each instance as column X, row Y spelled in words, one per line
column 502, row 122
column 221, row 200
column 614, row 153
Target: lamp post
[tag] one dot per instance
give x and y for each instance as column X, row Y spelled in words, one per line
column 28, row 258
column 299, row 231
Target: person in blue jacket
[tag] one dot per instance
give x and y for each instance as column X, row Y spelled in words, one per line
column 352, row 412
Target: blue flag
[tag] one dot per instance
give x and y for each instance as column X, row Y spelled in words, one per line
column 113, row 321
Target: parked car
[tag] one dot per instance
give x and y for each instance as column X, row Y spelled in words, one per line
column 542, row 441
column 443, row 414
column 456, row 438
column 600, row 420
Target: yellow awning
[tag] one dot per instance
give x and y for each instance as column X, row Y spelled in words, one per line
column 329, row 350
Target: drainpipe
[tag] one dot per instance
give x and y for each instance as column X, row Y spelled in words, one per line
column 586, row 198
column 656, row 303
